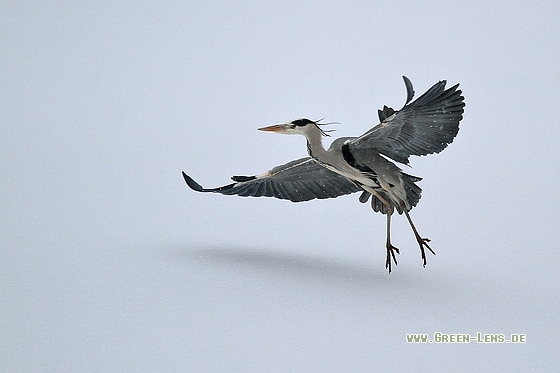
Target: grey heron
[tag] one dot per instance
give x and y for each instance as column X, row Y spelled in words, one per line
column 364, row 163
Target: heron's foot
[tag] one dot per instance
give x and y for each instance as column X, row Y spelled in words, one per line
column 391, row 256
column 423, row 242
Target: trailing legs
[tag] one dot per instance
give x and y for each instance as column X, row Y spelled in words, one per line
column 391, row 250
column 423, row 242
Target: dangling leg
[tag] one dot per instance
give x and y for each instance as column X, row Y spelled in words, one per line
column 423, row 242
column 390, row 248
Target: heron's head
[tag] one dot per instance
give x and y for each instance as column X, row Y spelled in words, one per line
column 302, row 126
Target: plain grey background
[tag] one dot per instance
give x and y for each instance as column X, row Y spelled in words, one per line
column 109, row 263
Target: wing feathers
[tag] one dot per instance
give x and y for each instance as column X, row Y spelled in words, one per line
column 409, row 90
column 424, row 126
column 297, row 181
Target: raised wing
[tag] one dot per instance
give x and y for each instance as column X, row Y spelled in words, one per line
column 299, row 180
column 424, row 126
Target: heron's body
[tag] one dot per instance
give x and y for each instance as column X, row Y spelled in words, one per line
column 373, row 173
column 352, row 164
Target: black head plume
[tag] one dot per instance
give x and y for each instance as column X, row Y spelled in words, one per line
column 324, row 132
column 302, row 122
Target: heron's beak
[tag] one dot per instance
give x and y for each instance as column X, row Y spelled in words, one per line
column 274, row 128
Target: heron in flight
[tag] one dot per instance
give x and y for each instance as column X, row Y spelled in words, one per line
column 365, row 163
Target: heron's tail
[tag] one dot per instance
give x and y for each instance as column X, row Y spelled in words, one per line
column 413, row 191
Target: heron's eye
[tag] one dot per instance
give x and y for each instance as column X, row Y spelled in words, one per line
column 301, row 122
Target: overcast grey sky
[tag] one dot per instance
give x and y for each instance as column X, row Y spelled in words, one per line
column 110, row 263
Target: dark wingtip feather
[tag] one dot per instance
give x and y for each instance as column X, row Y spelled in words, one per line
column 409, row 90
column 191, row 183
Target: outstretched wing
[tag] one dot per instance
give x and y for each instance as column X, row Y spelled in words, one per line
column 424, row 126
column 299, row 180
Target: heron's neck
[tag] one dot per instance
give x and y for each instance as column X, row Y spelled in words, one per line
column 315, row 144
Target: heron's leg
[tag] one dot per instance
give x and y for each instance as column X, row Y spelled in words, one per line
column 423, row 242
column 390, row 248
